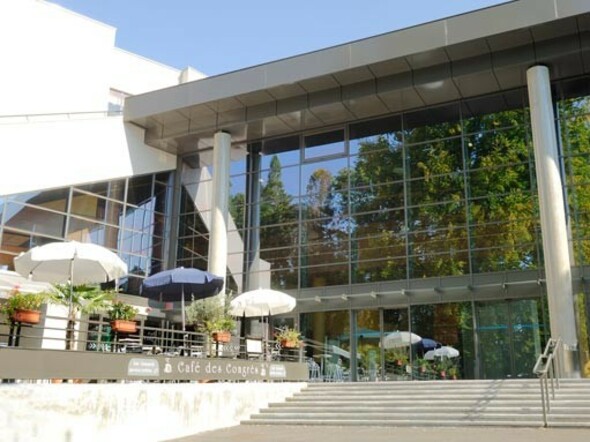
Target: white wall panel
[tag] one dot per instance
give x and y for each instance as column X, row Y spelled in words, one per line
column 53, row 60
column 60, row 153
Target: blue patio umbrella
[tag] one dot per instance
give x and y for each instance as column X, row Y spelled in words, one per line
column 181, row 284
column 429, row 344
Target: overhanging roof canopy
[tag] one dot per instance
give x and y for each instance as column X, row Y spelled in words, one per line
column 472, row 54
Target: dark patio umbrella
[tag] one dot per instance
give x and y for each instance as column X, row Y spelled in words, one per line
column 181, row 284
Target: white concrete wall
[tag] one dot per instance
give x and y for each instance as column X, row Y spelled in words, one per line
column 58, row 68
column 147, row 412
column 58, row 153
column 134, row 74
column 53, row 60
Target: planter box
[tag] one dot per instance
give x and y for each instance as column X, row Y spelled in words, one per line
column 223, row 337
column 26, row 316
column 121, row 326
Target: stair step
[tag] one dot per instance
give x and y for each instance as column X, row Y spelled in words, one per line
column 398, row 415
column 431, row 403
column 397, row 423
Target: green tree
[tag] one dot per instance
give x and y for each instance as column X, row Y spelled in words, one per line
column 278, row 233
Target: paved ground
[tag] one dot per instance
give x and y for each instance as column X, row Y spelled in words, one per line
column 247, row 433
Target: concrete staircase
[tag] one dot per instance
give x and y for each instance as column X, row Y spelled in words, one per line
column 514, row 403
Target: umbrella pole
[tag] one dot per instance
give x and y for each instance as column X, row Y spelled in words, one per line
column 183, row 320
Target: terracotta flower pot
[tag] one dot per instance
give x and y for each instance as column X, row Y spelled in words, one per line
column 223, row 337
column 26, row 316
column 121, row 326
column 288, row 344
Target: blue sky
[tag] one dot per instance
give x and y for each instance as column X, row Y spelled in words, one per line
column 222, row 36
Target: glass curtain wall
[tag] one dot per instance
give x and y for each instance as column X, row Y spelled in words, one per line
column 573, row 113
column 439, row 192
column 128, row 216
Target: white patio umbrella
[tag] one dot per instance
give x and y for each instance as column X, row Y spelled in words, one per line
column 10, row 280
column 442, row 352
column 72, row 261
column 400, row 339
column 262, row 302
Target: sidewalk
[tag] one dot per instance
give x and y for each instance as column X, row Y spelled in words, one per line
column 247, row 433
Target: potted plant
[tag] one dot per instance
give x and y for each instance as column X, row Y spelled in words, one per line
column 398, row 356
column 23, row 307
column 122, row 317
column 422, row 365
column 211, row 316
column 288, row 337
column 453, row 372
column 79, row 299
column 443, row 368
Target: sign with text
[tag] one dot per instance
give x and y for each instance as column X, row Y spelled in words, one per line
column 18, row 363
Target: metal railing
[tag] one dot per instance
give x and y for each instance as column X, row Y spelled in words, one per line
column 548, row 370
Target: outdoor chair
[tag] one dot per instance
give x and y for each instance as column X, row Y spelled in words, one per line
column 314, row 370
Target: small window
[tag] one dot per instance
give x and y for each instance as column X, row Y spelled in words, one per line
column 324, row 145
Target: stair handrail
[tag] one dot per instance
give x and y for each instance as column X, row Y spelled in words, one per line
column 548, row 370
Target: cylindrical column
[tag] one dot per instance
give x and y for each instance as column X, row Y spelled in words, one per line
column 553, row 219
column 219, row 204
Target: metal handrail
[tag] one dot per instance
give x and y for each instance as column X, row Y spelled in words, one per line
column 548, row 370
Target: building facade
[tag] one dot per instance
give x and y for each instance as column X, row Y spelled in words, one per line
column 402, row 182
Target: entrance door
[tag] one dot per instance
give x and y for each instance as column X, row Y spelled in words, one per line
column 509, row 337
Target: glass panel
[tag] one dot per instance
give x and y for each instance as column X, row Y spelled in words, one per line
column 329, row 330
column 436, row 189
column 237, row 186
column 16, row 243
column 138, row 219
column 96, row 208
column 280, row 258
column 440, row 157
column 372, row 167
column 324, row 144
column 277, row 236
column 137, row 243
column 385, row 245
column 324, row 276
column 34, row 220
column 324, row 252
column 432, row 123
column 526, row 335
column 513, row 326
column 7, row 261
column 436, row 216
column 140, row 190
column 493, row 112
column 283, row 279
column 383, row 197
column 286, row 149
column 367, row 337
column 389, row 223
column 449, row 325
column 50, row 199
column 488, row 150
column 87, row 231
column 280, row 183
column 164, row 177
column 442, row 264
column 492, row 329
column 161, row 193
column 375, row 135
column 395, row 358
column 319, row 178
column 379, row 270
